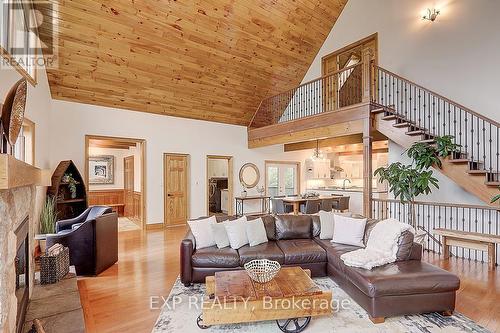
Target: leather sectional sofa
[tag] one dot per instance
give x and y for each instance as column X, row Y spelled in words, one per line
column 407, row 286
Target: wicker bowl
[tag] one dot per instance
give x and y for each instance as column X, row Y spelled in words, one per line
column 262, row 270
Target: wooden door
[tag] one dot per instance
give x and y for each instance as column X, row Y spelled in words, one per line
column 176, row 189
column 128, row 185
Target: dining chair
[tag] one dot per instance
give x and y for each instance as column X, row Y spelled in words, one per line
column 327, row 204
column 342, row 204
column 279, row 207
column 312, row 206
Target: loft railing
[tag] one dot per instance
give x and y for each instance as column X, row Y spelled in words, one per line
column 426, row 112
column 327, row 93
column 436, row 115
column 432, row 215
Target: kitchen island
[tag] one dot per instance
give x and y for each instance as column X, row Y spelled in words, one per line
column 355, row 194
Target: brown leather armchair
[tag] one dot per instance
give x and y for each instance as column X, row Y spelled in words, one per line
column 92, row 239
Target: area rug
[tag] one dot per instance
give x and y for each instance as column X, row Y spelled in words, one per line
column 124, row 224
column 180, row 311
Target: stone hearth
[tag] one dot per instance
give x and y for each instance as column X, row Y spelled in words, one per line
column 15, row 205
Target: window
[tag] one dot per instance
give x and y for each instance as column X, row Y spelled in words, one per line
column 24, row 149
column 19, row 39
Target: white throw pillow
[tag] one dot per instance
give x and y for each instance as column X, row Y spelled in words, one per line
column 202, row 232
column 220, row 234
column 237, row 233
column 348, row 230
column 326, row 220
column 256, row 232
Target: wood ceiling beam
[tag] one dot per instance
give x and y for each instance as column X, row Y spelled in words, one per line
column 324, row 125
column 332, row 142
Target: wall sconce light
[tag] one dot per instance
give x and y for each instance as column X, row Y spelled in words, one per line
column 431, row 15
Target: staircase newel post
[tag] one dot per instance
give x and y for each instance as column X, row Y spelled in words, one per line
column 366, row 58
column 367, row 163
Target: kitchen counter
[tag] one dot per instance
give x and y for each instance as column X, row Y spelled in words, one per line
column 355, row 194
column 348, row 189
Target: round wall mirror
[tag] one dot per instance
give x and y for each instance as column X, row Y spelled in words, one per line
column 249, row 175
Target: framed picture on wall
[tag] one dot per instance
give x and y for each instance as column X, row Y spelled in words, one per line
column 101, row 169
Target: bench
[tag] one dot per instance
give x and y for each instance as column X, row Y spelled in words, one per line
column 470, row 240
column 117, row 208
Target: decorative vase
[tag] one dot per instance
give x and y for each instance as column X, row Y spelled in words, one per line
column 244, row 194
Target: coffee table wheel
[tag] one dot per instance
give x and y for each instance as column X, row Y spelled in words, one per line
column 293, row 325
column 199, row 322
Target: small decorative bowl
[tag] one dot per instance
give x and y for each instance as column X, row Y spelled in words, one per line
column 262, row 270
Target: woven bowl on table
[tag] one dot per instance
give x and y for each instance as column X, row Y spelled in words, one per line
column 262, row 270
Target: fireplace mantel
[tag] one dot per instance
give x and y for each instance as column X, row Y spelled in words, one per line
column 15, row 173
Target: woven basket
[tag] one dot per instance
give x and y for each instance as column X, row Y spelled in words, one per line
column 262, row 270
column 54, row 267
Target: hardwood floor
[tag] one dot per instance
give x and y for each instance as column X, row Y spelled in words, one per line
column 118, row 300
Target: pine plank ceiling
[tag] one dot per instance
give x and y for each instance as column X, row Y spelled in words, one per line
column 207, row 59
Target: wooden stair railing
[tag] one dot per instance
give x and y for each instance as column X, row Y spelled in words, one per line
column 327, row 93
column 418, row 114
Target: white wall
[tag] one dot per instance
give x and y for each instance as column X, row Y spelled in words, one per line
column 455, row 56
column 162, row 134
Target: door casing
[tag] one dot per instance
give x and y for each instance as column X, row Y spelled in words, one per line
column 230, row 175
column 142, row 142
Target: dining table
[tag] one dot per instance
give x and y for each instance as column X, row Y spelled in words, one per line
column 295, row 202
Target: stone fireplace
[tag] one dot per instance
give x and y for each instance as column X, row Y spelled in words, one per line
column 17, row 226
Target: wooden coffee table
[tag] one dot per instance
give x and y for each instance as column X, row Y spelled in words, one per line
column 291, row 299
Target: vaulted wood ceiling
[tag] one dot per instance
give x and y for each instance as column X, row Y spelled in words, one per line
column 206, row 59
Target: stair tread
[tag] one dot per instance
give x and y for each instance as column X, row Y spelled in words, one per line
column 415, row 132
column 492, row 183
column 459, row 160
column 403, row 124
column 477, row 172
column 390, row 117
column 379, row 109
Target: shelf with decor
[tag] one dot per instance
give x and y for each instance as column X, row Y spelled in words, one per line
column 69, row 189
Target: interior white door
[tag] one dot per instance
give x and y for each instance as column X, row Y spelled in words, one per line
column 282, row 179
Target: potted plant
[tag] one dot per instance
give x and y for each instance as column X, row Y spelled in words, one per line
column 68, row 179
column 48, row 218
column 406, row 182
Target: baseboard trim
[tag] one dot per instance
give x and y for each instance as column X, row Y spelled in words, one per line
column 155, row 226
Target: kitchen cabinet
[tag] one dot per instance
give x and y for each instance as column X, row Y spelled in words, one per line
column 317, row 169
column 217, row 168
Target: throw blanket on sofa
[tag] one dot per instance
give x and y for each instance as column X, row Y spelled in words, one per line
column 381, row 248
